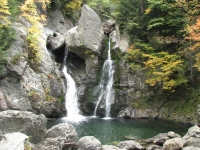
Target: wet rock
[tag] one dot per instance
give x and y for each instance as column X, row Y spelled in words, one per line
column 25, row 122
column 130, row 144
column 13, row 141
column 89, row 143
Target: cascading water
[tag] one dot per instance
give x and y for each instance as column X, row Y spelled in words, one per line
column 106, row 84
column 71, row 100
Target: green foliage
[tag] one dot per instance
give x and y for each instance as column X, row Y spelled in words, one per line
column 14, row 8
column 102, row 7
column 6, row 36
column 61, row 98
column 15, row 59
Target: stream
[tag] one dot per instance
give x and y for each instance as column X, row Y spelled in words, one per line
column 115, row 129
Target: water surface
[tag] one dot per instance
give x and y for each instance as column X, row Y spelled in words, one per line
column 115, row 129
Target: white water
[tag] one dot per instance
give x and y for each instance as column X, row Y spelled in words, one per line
column 106, row 85
column 71, row 100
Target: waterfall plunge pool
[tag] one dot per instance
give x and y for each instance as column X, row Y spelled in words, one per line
column 115, row 129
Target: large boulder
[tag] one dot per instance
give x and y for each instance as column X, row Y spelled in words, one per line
column 57, row 136
column 192, row 137
column 64, row 131
column 172, row 144
column 24, row 122
column 130, row 144
column 13, row 141
column 86, row 38
column 89, row 143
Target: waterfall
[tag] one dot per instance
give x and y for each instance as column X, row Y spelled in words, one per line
column 71, row 100
column 106, row 84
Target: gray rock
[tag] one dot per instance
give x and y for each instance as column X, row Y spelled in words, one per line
column 129, row 145
column 57, row 22
column 89, row 143
column 3, row 71
column 85, row 39
column 158, row 139
column 172, row 144
column 16, row 67
column 154, row 147
column 24, row 122
column 192, row 137
column 171, row 135
column 56, row 41
column 13, row 141
column 190, row 148
column 127, row 112
column 3, row 105
column 49, row 144
column 57, row 136
column 63, row 131
column 110, row 147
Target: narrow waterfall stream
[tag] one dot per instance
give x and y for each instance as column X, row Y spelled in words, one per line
column 106, row 84
column 71, row 100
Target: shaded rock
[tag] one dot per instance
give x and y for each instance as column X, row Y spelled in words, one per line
column 109, row 26
column 3, row 71
column 3, row 105
column 173, row 144
column 127, row 112
column 192, row 137
column 158, row 139
column 154, row 147
column 89, row 143
column 13, row 141
column 86, row 38
column 52, row 108
column 129, row 145
column 64, row 131
column 24, row 122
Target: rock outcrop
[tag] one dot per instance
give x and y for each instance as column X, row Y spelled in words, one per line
column 25, row 122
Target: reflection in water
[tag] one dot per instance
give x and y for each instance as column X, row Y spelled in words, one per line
column 116, row 129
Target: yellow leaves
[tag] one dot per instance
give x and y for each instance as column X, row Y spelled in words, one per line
column 30, row 12
column 148, row 10
column 162, row 67
column 4, row 11
column 72, row 6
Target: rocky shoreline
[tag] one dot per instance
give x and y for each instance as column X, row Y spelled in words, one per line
column 23, row 130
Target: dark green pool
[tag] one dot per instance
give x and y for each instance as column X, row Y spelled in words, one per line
column 116, row 129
